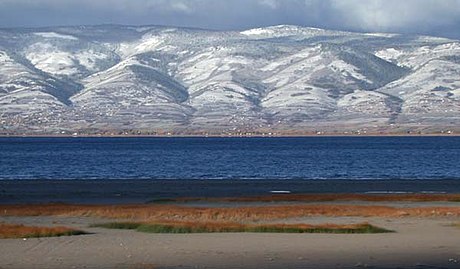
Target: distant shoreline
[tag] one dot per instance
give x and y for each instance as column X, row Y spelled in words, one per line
column 142, row 191
column 232, row 136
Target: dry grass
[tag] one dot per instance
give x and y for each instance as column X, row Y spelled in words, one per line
column 21, row 231
column 240, row 214
column 228, row 227
column 328, row 198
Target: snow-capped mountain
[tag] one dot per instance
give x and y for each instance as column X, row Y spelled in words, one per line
column 280, row 79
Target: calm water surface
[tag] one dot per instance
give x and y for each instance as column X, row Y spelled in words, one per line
column 231, row 158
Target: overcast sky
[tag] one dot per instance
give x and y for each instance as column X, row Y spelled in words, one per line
column 436, row 17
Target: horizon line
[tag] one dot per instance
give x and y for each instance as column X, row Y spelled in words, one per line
column 238, row 30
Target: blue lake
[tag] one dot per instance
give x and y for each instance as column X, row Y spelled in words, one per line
column 231, row 158
column 138, row 170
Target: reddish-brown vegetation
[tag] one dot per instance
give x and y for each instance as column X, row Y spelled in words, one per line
column 237, row 214
column 21, row 231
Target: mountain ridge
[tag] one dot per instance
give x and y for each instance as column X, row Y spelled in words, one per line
column 285, row 79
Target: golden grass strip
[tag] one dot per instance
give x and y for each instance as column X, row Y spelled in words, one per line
column 22, row 231
column 238, row 214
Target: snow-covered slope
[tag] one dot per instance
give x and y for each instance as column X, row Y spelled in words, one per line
column 284, row 79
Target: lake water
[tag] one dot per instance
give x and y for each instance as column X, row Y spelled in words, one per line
column 231, row 158
column 225, row 166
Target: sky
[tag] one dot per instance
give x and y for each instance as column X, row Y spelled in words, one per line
column 432, row 17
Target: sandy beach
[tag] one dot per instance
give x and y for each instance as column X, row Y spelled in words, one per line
column 424, row 241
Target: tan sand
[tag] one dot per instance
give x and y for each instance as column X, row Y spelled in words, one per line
column 417, row 243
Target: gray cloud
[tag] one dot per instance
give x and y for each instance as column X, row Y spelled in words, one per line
column 439, row 17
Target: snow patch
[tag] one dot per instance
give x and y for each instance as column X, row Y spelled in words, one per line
column 143, row 29
column 89, row 59
column 147, row 43
column 348, row 70
column 285, row 31
column 50, row 59
column 4, row 57
column 386, row 35
column 424, row 39
column 390, row 54
column 53, row 35
column 257, row 32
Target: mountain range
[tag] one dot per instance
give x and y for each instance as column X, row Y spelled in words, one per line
column 113, row 79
